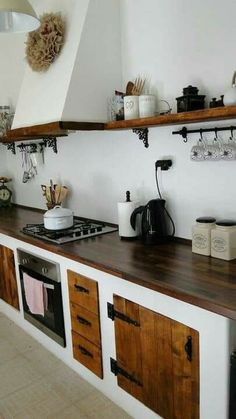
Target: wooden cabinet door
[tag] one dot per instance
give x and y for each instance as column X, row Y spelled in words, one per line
column 152, row 350
column 8, row 284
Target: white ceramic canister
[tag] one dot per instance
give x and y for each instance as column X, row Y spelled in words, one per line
column 223, row 240
column 131, row 107
column 58, row 218
column 147, row 106
column 201, row 235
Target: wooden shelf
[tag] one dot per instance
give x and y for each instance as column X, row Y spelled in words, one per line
column 62, row 128
column 203, row 115
column 50, row 130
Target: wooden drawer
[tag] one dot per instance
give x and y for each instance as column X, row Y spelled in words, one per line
column 87, row 354
column 85, row 323
column 83, row 291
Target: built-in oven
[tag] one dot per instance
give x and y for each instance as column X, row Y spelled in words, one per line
column 41, row 294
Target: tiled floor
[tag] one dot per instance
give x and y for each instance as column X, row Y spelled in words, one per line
column 36, row 385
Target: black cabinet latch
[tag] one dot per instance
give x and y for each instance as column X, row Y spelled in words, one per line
column 112, row 313
column 189, row 348
column 115, row 369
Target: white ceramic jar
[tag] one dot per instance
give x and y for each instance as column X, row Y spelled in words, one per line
column 58, row 218
column 201, row 235
column 147, row 106
column 223, row 240
column 131, row 107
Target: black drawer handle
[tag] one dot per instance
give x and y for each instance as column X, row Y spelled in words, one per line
column 81, row 320
column 81, row 289
column 85, row 352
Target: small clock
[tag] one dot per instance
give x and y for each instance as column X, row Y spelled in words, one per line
column 5, row 193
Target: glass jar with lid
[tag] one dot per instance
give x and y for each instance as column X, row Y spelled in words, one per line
column 223, row 240
column 201, row 235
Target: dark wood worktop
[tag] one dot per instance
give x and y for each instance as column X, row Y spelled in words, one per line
column 170, row 268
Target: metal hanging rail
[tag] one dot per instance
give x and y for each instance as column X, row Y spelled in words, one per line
column 184, row 132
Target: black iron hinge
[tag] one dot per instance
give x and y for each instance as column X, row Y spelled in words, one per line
column 112, row 313
column 115, row 369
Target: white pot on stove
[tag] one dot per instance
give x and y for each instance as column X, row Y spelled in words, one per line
column 58, row 218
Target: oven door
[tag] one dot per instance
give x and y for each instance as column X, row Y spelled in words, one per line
column 52, row 322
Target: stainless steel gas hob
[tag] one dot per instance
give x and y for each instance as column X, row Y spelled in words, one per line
column 82, row 229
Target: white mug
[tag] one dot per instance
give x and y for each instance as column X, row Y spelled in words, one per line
column 131, row 107
column 147, row 105
column 197, row 151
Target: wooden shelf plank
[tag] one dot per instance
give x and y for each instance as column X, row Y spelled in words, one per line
column 52, row 129
column 62, row 128
column 203, row 115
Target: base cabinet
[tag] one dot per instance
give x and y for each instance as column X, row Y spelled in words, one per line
column 8, row 284
column 157, row 360
column 85, row 321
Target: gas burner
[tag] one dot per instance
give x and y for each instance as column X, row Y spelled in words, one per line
column 82, row 228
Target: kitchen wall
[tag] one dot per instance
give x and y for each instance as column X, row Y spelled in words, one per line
column 173, row 44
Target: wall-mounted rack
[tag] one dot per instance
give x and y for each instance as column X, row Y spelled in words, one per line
column 33, row 147
column 184, row 132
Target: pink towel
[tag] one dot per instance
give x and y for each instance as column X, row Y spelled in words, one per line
column 35, row 294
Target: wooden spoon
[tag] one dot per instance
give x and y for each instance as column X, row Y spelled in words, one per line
column 129, row 88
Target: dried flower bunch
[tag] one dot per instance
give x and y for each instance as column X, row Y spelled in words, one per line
column 44, row 45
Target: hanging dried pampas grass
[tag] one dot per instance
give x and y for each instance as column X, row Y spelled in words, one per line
column 44, row 45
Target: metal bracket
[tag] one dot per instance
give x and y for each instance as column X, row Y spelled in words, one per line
column 112, row 313
column 51, row 142
column 115, row 369
column 142, row 135
column 11, row 147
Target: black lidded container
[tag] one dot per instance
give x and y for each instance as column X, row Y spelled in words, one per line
column 190, row 101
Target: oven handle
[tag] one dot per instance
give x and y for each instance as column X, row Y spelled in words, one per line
column 49, row 286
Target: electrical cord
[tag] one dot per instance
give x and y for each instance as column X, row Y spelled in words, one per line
column 167, row 213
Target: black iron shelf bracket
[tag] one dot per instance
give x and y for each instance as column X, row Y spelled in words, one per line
column 184, row 132
column 11, row 147
column 50, row 142
column 142, row 135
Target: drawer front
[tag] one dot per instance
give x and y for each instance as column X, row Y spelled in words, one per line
column 83, row 291
column 87, row 354
column 85, row 323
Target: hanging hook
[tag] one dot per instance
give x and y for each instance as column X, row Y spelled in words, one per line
column 200, row 131
column 232, row 132
column 216, row 133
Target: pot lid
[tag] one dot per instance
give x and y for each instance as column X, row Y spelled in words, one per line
column 57, row 212
column 206, row 220
column 226, row 223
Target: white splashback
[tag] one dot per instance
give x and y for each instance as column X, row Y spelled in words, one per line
column 176, row 44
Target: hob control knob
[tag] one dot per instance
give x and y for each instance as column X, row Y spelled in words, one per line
column 44, row 271
column 25, row 261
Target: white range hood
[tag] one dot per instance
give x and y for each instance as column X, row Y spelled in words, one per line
column 77, row 86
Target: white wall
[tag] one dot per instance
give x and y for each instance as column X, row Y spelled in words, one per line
column 175, row 44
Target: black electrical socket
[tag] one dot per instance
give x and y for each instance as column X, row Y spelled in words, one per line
column 163, row 164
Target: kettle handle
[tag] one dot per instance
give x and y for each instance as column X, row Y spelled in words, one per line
column 134, row 214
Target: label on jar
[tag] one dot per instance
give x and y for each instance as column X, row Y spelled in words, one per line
column 219, row 244
column 200, row 241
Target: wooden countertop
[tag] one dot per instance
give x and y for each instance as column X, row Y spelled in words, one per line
column 170, row 268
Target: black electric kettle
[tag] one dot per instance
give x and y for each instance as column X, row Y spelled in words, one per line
column 153, row 222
